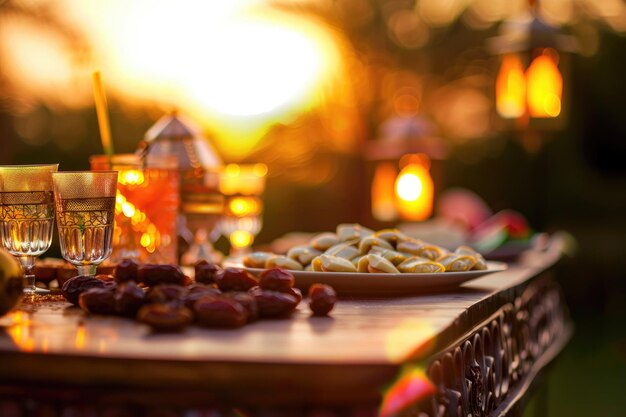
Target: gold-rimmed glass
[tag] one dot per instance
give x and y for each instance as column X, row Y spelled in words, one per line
column 85, row 208
column 242, row 187
column 26, row 214
column 146, row 207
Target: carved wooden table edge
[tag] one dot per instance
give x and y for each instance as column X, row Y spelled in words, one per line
column 490, row 370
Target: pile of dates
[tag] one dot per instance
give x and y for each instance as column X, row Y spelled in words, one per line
column 162, row 297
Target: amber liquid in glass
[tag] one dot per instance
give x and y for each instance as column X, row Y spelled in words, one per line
column 146, row 227
column 86, row 229
column 202, row 210
column 26, row 222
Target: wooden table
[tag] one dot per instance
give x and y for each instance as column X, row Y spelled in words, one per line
column 475, row 350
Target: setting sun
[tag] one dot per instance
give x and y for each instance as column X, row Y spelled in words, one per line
column 238, row 67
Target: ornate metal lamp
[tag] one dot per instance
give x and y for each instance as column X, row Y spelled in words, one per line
column 199, row 165
column 407, row 142
column 407, row 195
column 532, row 83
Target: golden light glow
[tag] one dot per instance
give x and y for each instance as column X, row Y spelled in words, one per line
column 511, row 88
column 241, row 239
column 545, row 85
column 414, row 188
column 128, row 209
column 409, row 187
column 20, row 331
column 243, row 185
column 81, row 334
column 260, row 170
column 146, row 240
column 25, row 48
column 383, row 205
column 145, row 207
column 268, row 66
column 244, row 206
column 238, row 65
column 243, row 179
column 151, row 238
column 232, row 170
column 125, row 211
column 409, row 338
column 131, row 177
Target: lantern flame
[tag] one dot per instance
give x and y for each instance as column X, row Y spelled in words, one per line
column 511, row 88
column 414, row 188
column 409, row 187
column 545, row 85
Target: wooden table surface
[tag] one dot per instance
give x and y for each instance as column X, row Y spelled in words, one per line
column 364, row 341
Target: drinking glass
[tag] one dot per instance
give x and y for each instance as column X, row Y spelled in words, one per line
column 27, row 214
column 146, row 207
column 85, row 206
column 201, row 209
column 243, row 187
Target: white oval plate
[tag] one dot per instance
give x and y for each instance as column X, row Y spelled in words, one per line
column 351, row 283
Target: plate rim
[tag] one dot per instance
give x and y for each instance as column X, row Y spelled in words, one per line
column 497, row 266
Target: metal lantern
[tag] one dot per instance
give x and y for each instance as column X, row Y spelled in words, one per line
column 407, row 141
column 199, row 165
column 532, row 81
column 172, row 135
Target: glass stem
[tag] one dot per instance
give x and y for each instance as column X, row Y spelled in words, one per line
column 28, row 265
column 86, row 269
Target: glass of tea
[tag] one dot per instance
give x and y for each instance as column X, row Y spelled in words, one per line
column 27, row 214
column 243, row 187
column 85, row 208
column 145, row 207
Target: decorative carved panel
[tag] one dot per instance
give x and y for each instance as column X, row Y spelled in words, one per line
column 475, row 376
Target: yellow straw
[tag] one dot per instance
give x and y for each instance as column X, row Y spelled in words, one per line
column 103, row 116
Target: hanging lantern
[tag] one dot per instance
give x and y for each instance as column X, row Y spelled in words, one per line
column 414, row 188
column 199, row 166
column 531, row 85
column 410, row 139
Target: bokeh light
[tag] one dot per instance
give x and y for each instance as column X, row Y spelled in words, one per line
column 241, row 239
column 409, row 186
column 511, row 87
column 545, row 85
column 414, row 188
column 412, row 337
column 411, row 387
column 40, row 63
